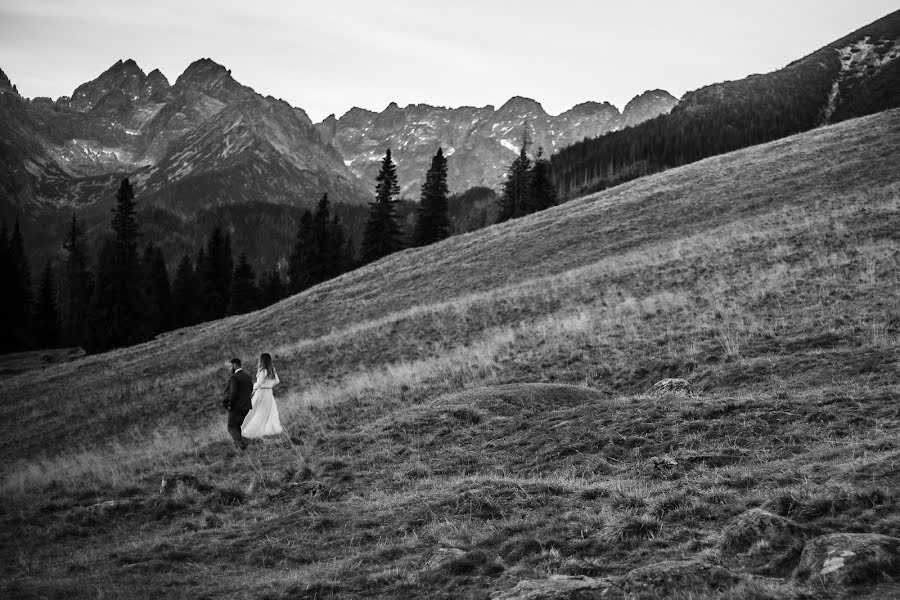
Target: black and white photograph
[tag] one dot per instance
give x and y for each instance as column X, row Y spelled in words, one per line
column 449, row 300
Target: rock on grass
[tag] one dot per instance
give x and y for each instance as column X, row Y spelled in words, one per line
column 672, row 576
column 556, row 587
column 849, row 559
column 765, row 542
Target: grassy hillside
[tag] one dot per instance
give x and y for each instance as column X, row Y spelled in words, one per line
column 470, row 415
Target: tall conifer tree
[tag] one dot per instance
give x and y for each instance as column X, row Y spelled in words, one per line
column 338, row 249
column 543, row 192
column 130, row 308
column 271, row 287
column 301, row 261
column 119, row 305
column 185, row 295
column 516, row 196
column 46, row 315
column 103, row 297
column 244, row 293
column 383, row 235
column 157, row 289
column 329, row 243
column 18, row 286
column 76, row 285
column 6, row 332
column 321, row 262
column 432, row 218
column 320, row 250
column 216, row 276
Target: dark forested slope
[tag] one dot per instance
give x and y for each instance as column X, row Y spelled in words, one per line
column 856, row 75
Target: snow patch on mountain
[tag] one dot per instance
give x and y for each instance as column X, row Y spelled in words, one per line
column 509, row 146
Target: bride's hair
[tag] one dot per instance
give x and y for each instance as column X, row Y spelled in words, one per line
column 265, row 362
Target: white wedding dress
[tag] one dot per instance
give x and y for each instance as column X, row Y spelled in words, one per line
column 263, row 417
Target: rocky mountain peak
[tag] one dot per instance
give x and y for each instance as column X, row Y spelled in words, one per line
column 652, row 96
column 327, row 129
column 124, row 78
column 157, row 85
column 590, row 108
column 156, row 78
column 204, row 72
column 357, row 115
column 522, row 105
column 123, row 68
column 647, row 105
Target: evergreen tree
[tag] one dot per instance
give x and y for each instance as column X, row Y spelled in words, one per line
column 18, row 286
column 200, row 266
column 320, row 250
column 543, row 192
column 228, row 257
column 301, row 261
column 516, row 197
column 321, row 261
column 382, row 234
column 216, row 276
column 6, row 331
column 103, row 297
column 329, row 244
column 157, row 289
column 185, row 296
column 76, row 285
column 432, row 218
column 119, row 305
column 244, row 293
column 271, row 287
column 339, row 249
column 46, row 316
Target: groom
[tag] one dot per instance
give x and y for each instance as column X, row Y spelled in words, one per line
column 237, row 401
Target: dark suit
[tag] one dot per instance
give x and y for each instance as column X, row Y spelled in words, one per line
column 237, row 401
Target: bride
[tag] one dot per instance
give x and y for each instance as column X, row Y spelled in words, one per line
column 263, row 417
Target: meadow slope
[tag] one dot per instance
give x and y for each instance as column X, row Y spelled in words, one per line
column 473, row 414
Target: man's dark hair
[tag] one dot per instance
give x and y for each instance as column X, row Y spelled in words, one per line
column 236, row 362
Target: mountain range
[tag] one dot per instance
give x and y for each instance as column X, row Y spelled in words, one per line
column 207, row 149
column 482, row 141
column 203, row 140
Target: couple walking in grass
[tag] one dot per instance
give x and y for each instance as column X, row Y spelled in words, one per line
column 252, row 412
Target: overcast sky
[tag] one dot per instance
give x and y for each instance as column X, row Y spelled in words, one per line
column 326, row 56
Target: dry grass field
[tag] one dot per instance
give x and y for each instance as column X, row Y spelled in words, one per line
column 472, row 419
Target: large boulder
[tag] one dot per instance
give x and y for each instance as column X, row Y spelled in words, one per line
column 557, row 587
column 765, row 542
column 849, row 559
column 672, row 576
